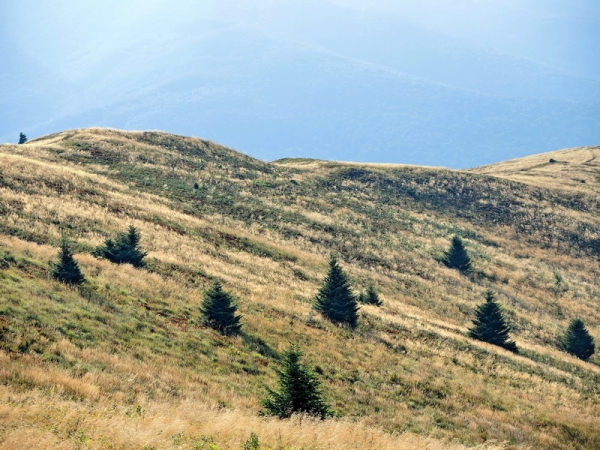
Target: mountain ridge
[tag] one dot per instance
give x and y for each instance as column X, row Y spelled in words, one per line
column 281, row 81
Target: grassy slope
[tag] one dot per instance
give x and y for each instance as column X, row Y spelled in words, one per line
column 576, row 169
column 123, row 362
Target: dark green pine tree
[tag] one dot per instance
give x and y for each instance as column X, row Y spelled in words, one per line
column 66, row 270
column 124, row 249
column 578, row 341
column 335, row 300
column 299, row 390
column 22, row 138
column 490, row 326
column 219, row 310
column 371, row 297
column 457, row 257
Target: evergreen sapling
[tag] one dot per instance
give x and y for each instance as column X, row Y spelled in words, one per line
column 362, row 297
column 456, row 257
column 335, row 300
column 124, row 249
column 218, row 310
column 370, row 297
column 490, row 325
column 299, row 390
column 66, row 270
column 578, row 341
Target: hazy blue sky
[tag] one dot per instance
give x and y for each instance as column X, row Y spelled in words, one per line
column 456, row 83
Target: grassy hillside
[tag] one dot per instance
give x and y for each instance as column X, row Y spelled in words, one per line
column 575, row 170
column 123, row 361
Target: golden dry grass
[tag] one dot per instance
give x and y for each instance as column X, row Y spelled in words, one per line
column 124, row 364
column 186, row 425
column 575, row 169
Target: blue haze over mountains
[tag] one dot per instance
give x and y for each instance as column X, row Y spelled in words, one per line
column 458, row 84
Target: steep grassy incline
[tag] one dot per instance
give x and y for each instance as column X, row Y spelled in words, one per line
column 127, row 347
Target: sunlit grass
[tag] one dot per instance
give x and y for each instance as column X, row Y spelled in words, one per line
column 124, row 362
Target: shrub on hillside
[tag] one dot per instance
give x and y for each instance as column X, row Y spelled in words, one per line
column 335, row 300
column 218, row 310
column 66, row 270
column 456, row 257
column 299, row 390
column 124, row 249
column 578, row 341
column 370, row 297
column 490, row 325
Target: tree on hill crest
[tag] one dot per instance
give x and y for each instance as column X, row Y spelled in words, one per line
column 22, row 138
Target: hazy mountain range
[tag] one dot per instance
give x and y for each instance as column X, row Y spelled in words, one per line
column 412, row 82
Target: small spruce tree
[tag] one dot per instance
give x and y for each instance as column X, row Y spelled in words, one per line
column 66, row 270
column 22, row 138
column 335, row 300
column 124, row 249
column 456, row 257
column 362, row 297
column 578, row 341
column 370, row 297
column 489, row 324
column 299, row 390
column 219, row 310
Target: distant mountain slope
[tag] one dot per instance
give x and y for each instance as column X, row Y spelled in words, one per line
column 302, row 79
column 124, row 360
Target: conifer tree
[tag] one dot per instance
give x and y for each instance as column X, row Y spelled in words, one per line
column 299, row 390
column 125, row 248
column 335, row 300
column 490, row 326
column 219, row 310
column 362, row 297
column 456, row 257
column 22, row 138
column 370, row 297
column 578, row 341
column 66, row 270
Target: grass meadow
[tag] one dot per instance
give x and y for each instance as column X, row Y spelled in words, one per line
column 123, row 362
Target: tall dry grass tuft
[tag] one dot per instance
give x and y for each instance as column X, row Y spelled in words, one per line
column 186, row 425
